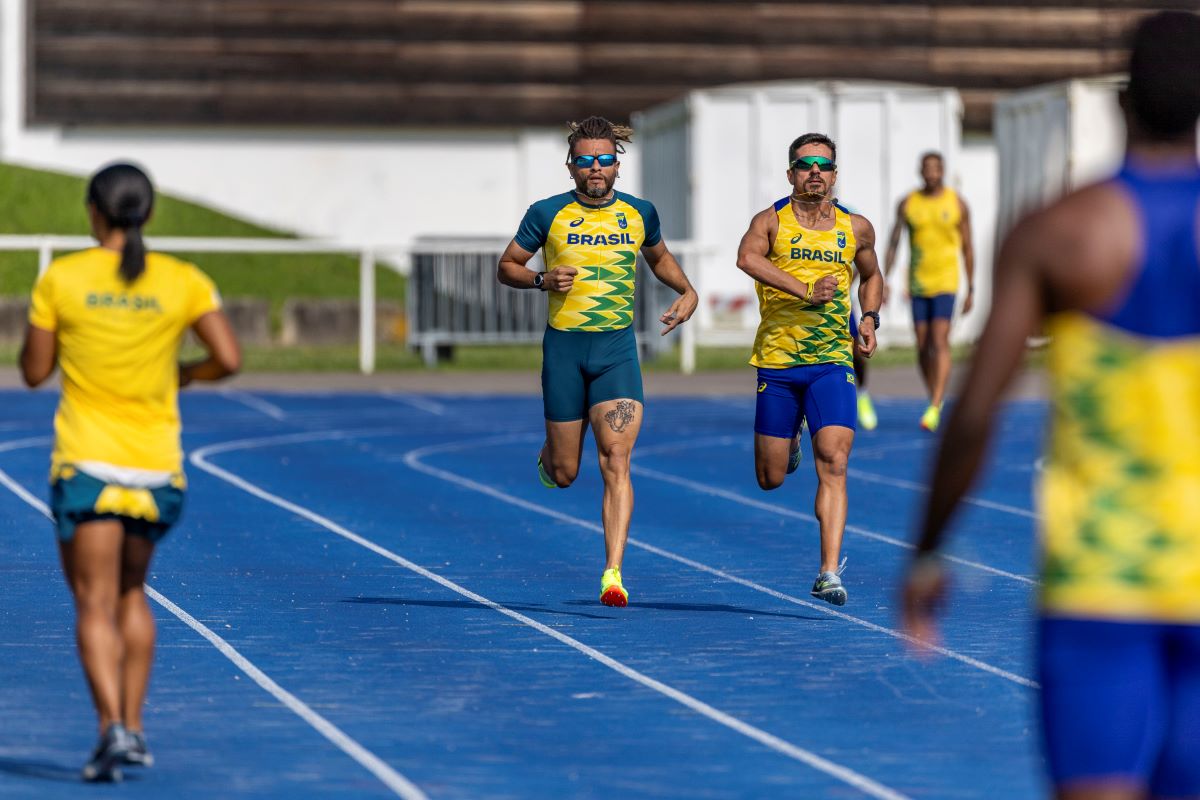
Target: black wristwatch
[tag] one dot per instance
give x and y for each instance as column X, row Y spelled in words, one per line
column 874, row 315
column 539, row 280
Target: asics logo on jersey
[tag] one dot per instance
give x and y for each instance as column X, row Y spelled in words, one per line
column 575, row 223
column 797, row 238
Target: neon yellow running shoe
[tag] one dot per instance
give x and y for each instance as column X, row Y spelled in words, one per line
column 931, row 418
column 544, row 476
column 866, row 412
column 612, row 593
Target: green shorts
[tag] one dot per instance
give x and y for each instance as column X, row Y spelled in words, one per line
column 583, row 368
column 76, row 497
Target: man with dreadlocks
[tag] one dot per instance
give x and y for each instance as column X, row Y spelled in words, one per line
column 590, row 238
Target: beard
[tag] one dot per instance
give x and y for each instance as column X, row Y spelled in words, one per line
column 813, row 192
column 594, row 191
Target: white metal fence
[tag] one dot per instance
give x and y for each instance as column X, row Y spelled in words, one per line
column 47, row 246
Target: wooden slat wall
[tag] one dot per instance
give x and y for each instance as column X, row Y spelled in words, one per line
column 512, row 62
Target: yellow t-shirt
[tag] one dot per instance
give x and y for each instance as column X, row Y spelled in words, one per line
column 791, row 333
column 118, row 347
column 935, row 240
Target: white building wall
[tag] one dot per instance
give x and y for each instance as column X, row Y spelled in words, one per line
column 361, row 186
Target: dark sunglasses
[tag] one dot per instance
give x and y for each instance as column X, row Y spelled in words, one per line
column 806, row 163
column 585, row 162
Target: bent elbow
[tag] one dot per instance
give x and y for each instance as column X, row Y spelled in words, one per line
column 743, row 263
column 503, row 275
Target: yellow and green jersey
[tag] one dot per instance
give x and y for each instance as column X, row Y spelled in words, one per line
column 791, row 332
column 118, row 346
column 602, row 243
column 1121, row 489
column 935, row 241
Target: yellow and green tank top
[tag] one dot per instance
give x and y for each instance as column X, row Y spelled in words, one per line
column 602, row 243
column 935, row 241
column 1121, row 489
column 791, row 333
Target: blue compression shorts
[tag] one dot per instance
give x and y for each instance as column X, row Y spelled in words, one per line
column 824, row 394
column 1122, row 700
column 927, row 309
column 583, row 368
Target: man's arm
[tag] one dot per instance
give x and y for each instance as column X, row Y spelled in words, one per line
column 889, row 258
column 870, row 280
column 1017, row 310
column 968, row 253
column 511, row 271
column 752, row 260
column 667, row 270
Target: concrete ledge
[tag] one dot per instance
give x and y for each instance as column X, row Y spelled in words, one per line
column 320, row 321
column 250, row 318
column 14, row 314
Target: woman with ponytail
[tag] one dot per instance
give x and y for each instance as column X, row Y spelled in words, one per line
column 112, row 317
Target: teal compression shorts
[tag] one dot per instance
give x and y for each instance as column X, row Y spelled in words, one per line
column 583, row 368
column 76, row 498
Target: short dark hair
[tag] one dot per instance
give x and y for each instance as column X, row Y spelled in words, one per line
column 1164, row 61
column 932, row 154
column 811, row 138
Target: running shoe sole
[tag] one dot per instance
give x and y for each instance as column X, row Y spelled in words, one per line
column 835, row 596
column 614, row 596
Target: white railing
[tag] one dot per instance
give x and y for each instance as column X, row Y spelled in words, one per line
column 46, row 246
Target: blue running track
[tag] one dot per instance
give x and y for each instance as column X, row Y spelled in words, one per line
column 373, row 596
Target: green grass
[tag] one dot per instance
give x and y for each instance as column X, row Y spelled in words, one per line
column 35, row 201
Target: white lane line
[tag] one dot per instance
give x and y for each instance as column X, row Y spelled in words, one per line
column 900, row 483
column 399, row 785
column 860, row 474
column 417, row 402
column 784, row 511
column 257, row 403
column 830, row 768
column 412, row 459
column 390, row 778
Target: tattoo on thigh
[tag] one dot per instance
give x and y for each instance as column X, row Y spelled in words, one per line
column 619, row 418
